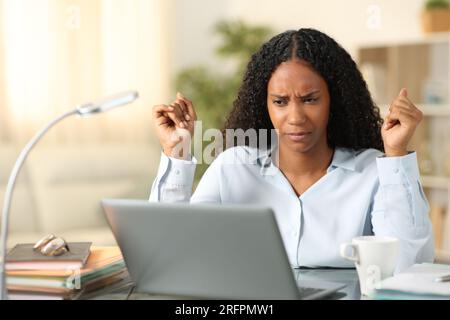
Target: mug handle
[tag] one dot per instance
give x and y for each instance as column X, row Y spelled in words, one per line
column 343, row 251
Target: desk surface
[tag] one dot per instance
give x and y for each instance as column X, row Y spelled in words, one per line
column 346, row 276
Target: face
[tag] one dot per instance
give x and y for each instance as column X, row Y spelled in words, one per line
column 299, row 104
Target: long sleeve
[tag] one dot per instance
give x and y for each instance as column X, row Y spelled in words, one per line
column 174, row 181
column 400, row 209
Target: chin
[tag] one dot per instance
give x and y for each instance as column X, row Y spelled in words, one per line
column 299, row 147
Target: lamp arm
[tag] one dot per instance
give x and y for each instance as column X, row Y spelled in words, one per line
column 9, row 194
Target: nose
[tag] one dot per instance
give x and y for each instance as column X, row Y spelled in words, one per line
column 297, row 114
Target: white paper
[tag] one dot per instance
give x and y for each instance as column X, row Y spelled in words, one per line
column 419, row 279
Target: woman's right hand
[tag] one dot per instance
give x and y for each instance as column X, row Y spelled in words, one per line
column 175, row 126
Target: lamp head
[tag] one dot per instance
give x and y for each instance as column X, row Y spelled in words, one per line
column 107, row 103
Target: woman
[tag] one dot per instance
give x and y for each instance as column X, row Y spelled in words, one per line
column 330, row 181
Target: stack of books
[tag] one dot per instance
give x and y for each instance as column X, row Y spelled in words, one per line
column 30, row 276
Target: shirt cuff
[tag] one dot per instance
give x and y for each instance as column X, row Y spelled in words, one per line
column 176, row 171
column 398, row 170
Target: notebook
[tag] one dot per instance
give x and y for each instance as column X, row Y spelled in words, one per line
column 23, row 257
column 100, row 259
column 417, row 281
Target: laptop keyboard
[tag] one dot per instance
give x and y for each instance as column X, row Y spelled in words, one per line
column 306, row 292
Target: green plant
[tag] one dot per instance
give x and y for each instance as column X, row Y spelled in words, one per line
column 211, row 92
column 437, row 4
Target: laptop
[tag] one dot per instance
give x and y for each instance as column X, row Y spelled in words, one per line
column 206, row 251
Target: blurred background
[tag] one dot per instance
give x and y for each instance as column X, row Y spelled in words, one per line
column 57, row 54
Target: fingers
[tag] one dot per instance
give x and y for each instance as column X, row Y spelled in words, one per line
column 405, row 102
column 396, row 118
column 184, row 109
column 179, row 114
column 168, row 115
column 402, row 114
column 189, row 105
column 406, row 107
column 403, row 93
column 160, row 115
column 402, row 110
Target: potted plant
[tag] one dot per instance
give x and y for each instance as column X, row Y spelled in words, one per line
column 436, row 16
column 214, row 93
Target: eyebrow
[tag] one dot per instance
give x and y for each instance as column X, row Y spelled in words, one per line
column 302, row 97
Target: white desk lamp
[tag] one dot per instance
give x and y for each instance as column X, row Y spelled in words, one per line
column 84, row 110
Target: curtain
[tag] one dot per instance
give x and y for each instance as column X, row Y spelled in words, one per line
column 57, row 54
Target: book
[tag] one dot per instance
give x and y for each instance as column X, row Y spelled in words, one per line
column 100, row 258
column 104, row 267
column 23, row 257
column 61, row 288
column 417, row 282
column 19, row 295
column 123, row 285
column 71, row 282
column 103, row 261
column 119, row 281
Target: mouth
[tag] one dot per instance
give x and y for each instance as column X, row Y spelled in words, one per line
column 298, row 136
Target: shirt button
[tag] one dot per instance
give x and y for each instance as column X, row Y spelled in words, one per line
column 295, row 233
column 177, row 172
column 396, row 170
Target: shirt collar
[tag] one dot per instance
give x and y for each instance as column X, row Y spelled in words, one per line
column 342, row 158
column 262, row 157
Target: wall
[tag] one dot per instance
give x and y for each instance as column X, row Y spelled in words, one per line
column 57, row 54
column 350, row 22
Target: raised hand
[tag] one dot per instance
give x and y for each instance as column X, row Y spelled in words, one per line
column 399, row 125
column 174, row 126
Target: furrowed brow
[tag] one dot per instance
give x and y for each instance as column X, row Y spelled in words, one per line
column 309, row 94
column 280, row 96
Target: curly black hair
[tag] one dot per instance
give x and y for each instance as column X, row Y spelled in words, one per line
column 354, row 120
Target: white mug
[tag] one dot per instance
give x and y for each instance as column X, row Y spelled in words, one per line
column 375, row 258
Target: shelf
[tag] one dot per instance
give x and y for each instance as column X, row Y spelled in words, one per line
column 426, row 39
column 438, row 182
column 428, row 110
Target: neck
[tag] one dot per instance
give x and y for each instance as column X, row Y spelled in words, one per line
column 316, row 160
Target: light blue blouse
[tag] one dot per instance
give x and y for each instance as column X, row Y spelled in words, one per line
column 363, row 193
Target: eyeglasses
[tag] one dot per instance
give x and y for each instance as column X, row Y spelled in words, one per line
column 51, row 245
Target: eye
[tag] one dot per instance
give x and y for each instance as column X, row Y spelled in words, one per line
column 310, row 100
column 279, row 102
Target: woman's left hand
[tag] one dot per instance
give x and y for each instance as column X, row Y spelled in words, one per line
column 399, row 126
